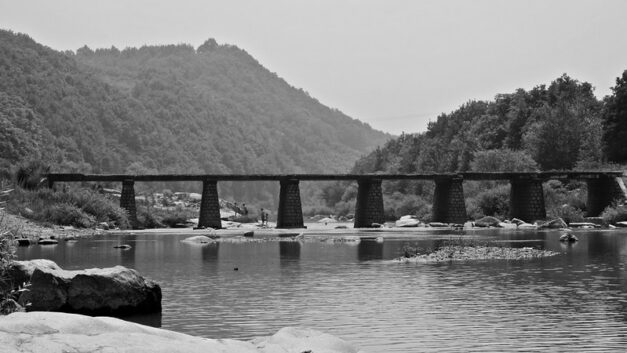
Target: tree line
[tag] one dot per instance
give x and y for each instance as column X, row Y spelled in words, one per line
column 560, row 126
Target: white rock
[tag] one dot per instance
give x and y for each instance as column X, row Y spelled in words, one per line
column 507, row 225
column 407, row 221
column 199, row 239
column 49, row 332
column 527, row 226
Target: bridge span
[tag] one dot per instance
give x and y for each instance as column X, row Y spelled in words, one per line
column 526, row 195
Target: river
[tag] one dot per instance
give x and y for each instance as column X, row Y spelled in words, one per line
column 575, row 301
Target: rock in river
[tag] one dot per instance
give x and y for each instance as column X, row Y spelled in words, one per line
column 199, row 239
column 97, row 291
column 487, row 221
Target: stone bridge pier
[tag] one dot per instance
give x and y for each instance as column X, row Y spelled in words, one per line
column 209, row 206
column 449, row 205
column 369, row 206
column 290, row 213
column 526, row 199
column 127, row 201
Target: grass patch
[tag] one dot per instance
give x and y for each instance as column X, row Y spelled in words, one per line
column 7, row 255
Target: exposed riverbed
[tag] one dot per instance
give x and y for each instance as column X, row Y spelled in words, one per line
column 573, row 301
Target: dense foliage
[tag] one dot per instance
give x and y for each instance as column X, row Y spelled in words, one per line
column 167, row 109
column 615, row 121
column 555, row 127
column 78, row 207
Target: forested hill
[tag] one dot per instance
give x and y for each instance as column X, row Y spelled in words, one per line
column 168, row 109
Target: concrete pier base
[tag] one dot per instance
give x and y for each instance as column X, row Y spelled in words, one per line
column 527, row 199
column 210, row 206
column 369, row 207
column 448, row 201
column 290, row 209
column 127, row 201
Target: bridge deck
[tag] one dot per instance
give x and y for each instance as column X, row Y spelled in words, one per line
column 560, row 175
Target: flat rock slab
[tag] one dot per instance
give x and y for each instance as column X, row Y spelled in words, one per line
column 46, row 332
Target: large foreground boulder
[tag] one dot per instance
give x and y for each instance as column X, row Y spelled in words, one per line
column 36, row 332
column 97, row 291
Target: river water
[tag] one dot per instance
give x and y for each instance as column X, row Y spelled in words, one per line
column 575, row 301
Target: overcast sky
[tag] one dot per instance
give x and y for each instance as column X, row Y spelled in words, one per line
column 394, row 64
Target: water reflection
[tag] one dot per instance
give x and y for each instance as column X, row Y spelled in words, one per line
column 576, row 301
column 289, row 252
column 369, row 250
column 210, row 252
column 127, row 256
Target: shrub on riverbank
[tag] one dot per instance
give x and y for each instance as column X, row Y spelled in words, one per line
column 7, row 255
column 614, row 214
column 77, row 207
column 152, row 217
column 29, row 175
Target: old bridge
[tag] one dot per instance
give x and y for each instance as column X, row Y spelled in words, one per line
column 526, row 195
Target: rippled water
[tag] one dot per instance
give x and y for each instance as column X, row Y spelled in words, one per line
column 576, row 301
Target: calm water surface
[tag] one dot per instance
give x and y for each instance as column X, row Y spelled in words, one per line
column 576, row 301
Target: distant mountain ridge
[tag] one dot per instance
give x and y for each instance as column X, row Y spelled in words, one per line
column 168, row 109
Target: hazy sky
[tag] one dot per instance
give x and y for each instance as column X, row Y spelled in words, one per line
column 392, row 63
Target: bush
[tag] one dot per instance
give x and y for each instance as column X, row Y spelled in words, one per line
column 158, row 218
column 492, row 202
column 613, row 214
column 558, row 194
column 148, row 219
column 7, row 255
column 568, row 213
column 398, row 205
column 30, row 175
column 68, row 215
column 84, row 207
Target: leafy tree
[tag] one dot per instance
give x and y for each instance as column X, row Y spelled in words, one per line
column 503, row 161
column 615, row 121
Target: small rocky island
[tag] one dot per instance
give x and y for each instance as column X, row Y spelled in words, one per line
column 459, row 253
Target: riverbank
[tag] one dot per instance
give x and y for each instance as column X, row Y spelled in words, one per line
column 20, row 227
column 58, row 332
